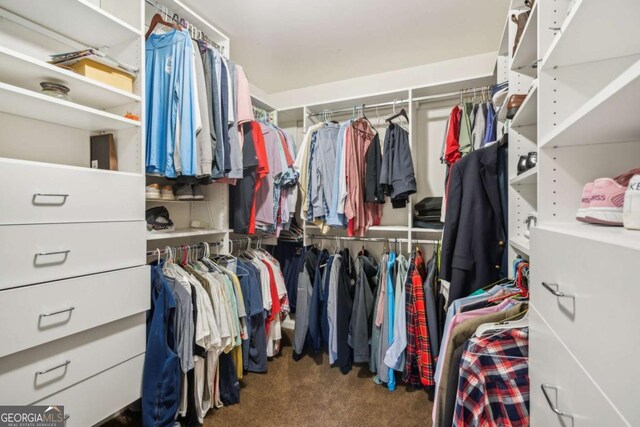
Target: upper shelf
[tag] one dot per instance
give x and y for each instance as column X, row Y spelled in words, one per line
column 259, row 103
column 504, row 39
column 79, row 20
column 27, row 72
column 527, row 51
column 34, row 105
column 525, row 178
column 607, row 117
column 596, row 30
column 527, row 114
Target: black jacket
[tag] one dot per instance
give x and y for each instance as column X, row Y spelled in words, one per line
column 474, row 236
column 373, row 165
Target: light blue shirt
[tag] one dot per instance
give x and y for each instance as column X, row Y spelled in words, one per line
column 336, row 219
column 391, row 385
column 170, row 105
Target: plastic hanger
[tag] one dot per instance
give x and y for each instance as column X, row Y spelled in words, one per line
column 508, row 323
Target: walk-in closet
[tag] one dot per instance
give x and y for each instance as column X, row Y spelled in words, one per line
column 345, row 213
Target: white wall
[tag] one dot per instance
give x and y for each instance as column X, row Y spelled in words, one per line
column 424, row 75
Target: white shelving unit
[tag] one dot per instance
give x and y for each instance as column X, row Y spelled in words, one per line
column 529, row 177
column 526, row 53
column 17, row 68
column 588, row 83
column 58, row 205
column 520, row 245
column 527, row 114
column 34, row 105
column 89, row 25
column 181, row 233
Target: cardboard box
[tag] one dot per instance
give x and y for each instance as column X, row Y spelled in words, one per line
column 104, row 74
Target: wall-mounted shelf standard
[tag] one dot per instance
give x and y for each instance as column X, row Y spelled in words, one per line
column 583, row 37
column 527, row 51
column 527, row 114
column 26, row 72
column 520, row 245
column 34, row 105
column 607, row 117
column 526, row 178
column 189, row 232
column 78, row 20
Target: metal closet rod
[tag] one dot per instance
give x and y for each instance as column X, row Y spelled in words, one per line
column 402, row 101
column 177, row 21
column 373, row 239
column 163, row 251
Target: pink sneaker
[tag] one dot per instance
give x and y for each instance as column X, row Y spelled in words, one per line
column 607, row 201
column 586, row 200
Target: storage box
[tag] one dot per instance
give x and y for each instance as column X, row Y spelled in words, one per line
column 104, row 74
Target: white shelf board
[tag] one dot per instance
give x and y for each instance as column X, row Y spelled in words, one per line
column 34, row 105
column 398, row 228
column 79, row 20
column 175, row 201
column 526, row 178
column 527, row 114
column 188, row 232
column 27, row 72
column 196, row 19
column 607, row 235
column 607, row 117
column 527, row 50
column 583, row 37
column 521, row 245
column 425, row 230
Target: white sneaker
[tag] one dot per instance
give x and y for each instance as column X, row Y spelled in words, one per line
column 152, row 192
column 631, row 210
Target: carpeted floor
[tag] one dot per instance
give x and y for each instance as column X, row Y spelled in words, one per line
column 310, row 392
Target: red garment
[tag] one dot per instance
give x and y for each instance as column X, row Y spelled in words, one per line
column 275, row 300
column 452, row 145
column 285, row 148
column 261, row 171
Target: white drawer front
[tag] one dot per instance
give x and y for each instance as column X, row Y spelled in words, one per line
column 594, row 317
column 570, row 389
column 42, row 193
column 34, row 315
column 41, row 371
column 96, row 398
column 40, row 253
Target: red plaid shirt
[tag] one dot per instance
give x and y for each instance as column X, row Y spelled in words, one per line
column 418, row 369
column 494, row 381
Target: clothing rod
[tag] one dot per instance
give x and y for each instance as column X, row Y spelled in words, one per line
column 177, row 21
column 163, row 251
column 403, row 101
column 372, row 239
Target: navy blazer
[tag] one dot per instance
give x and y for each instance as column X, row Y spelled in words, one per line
column 474, row 238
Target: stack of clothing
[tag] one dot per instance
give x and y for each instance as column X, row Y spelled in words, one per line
column 428, row 212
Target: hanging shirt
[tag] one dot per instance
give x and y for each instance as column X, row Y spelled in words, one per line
column 170, row 107
column 336, row 219
column 490, row 130
column 452, row 153
column 245, row 110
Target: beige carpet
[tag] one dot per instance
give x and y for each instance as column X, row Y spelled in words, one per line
column 310, row 392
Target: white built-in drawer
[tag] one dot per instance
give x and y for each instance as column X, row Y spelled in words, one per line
column 91, row 401
column 34, row 315
column 40, row 253
column 568, row 386
column 597, row 316
column 37, row 372
column 32, row 192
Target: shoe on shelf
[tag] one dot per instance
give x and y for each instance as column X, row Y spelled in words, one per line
column 514, row 103
column 631, row 211
column 166, row 192
column 198, row 194
column 184, row 192
column 607, row 199
column 581, row 215
column 521, row 22
column 152, row 192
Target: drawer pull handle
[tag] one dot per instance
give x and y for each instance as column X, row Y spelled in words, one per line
column 36, row 195
column 551, row 405
column 548, row 286
column 42, row 254
column 62, row 365
column 53, row 313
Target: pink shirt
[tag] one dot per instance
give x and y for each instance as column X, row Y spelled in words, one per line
column 245, row 108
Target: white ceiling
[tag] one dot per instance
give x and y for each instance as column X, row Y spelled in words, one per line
column 287, row 44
